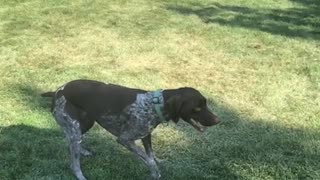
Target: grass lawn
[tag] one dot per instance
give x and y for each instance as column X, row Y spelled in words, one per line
column 258, row 62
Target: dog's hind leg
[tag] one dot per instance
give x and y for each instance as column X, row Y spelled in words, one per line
column 72, row 130
column 73, row 135
column 85, row 152
column 84, row 128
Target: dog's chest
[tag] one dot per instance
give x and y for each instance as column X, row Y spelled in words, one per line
column 136, row 121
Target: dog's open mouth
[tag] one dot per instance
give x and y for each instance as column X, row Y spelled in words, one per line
column 197, row 125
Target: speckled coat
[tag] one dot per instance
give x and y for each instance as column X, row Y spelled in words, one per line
column 136, row 121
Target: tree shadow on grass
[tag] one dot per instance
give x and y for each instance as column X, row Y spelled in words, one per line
column 303, row 22
column 309, row 3
column 238, row 148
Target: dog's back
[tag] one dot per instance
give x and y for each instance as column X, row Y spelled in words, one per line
column 96, row 97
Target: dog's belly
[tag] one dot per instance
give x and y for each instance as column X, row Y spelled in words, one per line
column 112, row 123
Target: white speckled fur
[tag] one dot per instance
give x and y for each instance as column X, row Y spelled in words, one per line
column 135, row 122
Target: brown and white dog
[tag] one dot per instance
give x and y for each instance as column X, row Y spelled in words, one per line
column 129, row 114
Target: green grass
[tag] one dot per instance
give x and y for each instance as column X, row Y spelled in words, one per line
column 258, row 62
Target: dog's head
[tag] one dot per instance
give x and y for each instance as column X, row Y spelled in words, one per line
column 191, row 106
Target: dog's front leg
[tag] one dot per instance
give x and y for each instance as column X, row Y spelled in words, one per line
column 149, row 161
column 148, row 147
column 151, row 157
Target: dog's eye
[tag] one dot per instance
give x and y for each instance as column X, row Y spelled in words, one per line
column 197, row 109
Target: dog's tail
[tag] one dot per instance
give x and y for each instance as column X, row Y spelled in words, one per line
column 48, row 94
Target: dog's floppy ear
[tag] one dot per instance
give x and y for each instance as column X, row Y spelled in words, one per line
column 174, row 107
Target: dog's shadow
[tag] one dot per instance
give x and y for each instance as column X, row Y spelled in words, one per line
column 236, row 145
column 28, row 152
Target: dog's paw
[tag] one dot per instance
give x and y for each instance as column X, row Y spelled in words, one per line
column 158, row 160
column 155, row 176
column 85, row 152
